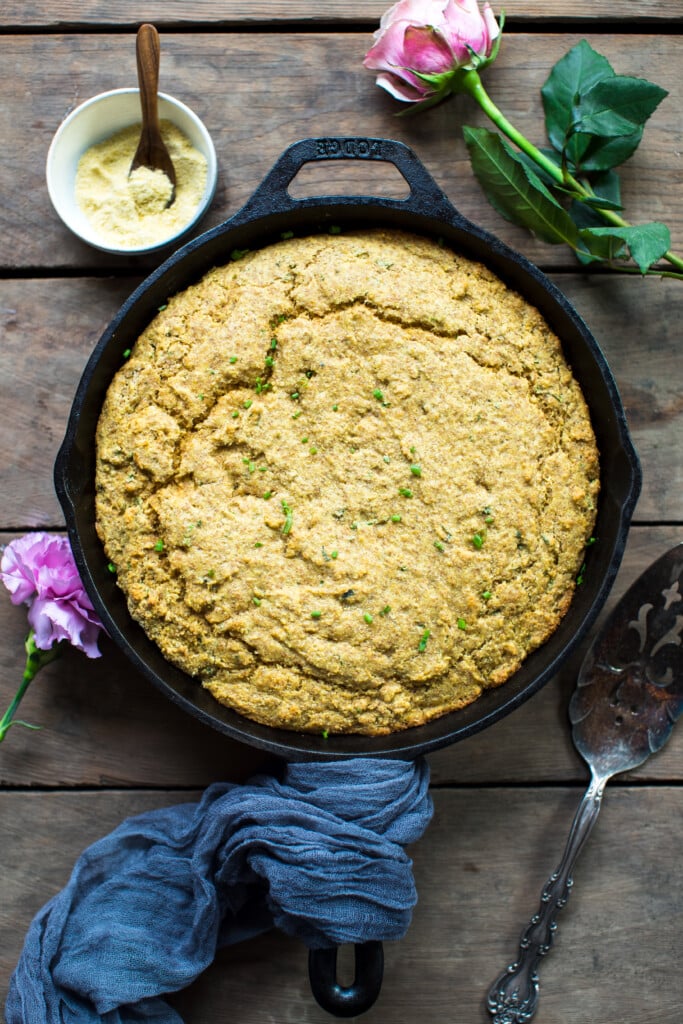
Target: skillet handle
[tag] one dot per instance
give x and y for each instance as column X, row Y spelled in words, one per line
column 425, row 196
column 360, row 995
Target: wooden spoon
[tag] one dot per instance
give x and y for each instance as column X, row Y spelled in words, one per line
column 151, row 151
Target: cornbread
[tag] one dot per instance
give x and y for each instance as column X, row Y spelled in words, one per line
column 347, row 481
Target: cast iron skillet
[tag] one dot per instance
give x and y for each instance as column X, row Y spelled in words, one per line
column 269, row 212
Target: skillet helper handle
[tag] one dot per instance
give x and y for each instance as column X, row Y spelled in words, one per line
column 425, row 195
column 361, row 994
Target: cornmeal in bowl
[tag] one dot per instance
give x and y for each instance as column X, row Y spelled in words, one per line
column 347, row 481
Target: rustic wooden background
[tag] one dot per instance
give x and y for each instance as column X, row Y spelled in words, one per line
column 262, row 75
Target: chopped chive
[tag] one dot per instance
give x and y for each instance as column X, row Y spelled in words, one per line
column 284, row 235
column 295, row 415
column 325, row 734
column 238, row 254
column 334, row 553
column 160, row 309
column 396, row 518
column 405, row 492
column 368, row 618
column 247, row 403
column 273, row 343
column 304, row 440
column 438, row 545
column 486, row 594
column 313, row 450
column 233, row 359
column 335, row 230
column 294, row 396
column 287, row 525
column 111, row 567
column 462, row 624
column 235, row 414
column 268, row 494
column 386, row 609
column 126, row 353
column 478, row 541
column 316, row 615
column 257, row 601
column 159, row 546
column 416, row 470
column 258, row 544
column 269, row 360
column 422, row 646
column 335, row 407
column 378, row 395
column 386, row 459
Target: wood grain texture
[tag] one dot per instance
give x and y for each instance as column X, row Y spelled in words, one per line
column 479, row 870
column 236, row 83
column 104, row 725
column 230, row 12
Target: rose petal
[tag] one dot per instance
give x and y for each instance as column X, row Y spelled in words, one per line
column 425, row 50
column 401, row 89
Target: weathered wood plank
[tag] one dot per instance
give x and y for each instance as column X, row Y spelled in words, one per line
column 55, row 324
column 104, row 725
column 236, row 82
column 182, row 13
column 479, row 870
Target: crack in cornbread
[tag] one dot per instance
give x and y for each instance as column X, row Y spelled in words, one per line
column 347, row 481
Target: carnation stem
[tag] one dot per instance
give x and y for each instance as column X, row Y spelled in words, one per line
column 35, row 660
column 470, row 82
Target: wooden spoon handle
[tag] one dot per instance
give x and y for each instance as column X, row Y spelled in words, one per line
column 148, row 52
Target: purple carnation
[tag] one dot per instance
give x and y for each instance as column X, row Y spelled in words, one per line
column 39, row 570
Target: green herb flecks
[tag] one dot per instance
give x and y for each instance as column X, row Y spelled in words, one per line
column 159, row 546
column 416, row 469
column 367, row 617
column 316, row 614
column 405, row 492
column 462, row 624
column 478, row 541
column 422, row 646
column 289, row 518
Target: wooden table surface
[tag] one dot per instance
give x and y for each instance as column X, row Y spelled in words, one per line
column 262, row 75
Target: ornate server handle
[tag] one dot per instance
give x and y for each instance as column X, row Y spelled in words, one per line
column 513, row 997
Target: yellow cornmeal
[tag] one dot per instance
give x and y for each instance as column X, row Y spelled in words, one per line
column 129, row 210
column 347, row 481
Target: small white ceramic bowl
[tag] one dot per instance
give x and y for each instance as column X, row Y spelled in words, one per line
column 96, row 120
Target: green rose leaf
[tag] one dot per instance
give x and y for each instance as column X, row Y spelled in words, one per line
column 603, row 154
column 618, row 106
column 571, row 78
column 515, row 191
column 646, row 242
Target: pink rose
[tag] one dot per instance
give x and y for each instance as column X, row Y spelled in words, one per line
column 39, row 570
column 422, row 44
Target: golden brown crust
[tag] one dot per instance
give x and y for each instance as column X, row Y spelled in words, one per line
column 347, row 482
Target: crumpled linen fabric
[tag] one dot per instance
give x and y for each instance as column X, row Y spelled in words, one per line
column 318, row 854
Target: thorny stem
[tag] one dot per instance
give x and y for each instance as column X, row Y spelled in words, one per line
column 470, row 82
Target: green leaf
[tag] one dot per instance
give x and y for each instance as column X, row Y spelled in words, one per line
column 646, row 242
column 618, row 106
column 569, row 80
column 515, row 191
column 603, row 154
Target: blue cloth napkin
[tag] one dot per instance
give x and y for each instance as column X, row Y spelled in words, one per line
column 317, row 854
